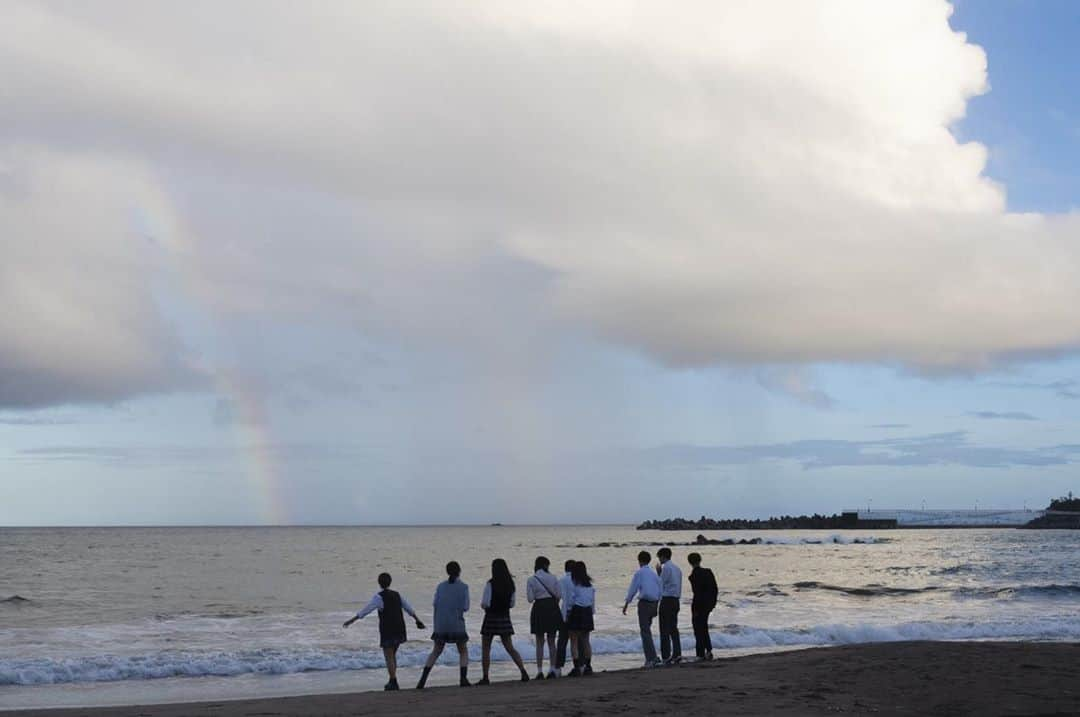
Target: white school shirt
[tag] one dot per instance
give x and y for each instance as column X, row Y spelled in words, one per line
column 645, row 584
column 485, row 599
column 540, row 585
column 583, row 596
column 566, row 589
column 376, row 603
column 670, row 580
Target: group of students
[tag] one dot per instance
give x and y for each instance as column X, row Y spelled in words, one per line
column 561, row 615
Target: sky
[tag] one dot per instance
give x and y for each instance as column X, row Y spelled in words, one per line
column 435, row 262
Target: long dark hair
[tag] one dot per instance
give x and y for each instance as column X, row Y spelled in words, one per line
column 502, row 582
column 453, row 570
column 580, row 575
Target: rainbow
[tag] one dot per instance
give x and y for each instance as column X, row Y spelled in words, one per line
column 251, row 428
column 247, row 415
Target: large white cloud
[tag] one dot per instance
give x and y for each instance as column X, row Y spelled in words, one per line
column 79, row 318
column 707, row 183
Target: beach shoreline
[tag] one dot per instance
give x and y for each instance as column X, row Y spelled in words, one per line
column 954, row 678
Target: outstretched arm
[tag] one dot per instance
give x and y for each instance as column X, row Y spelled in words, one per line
column 409, row 609
column 375, row 603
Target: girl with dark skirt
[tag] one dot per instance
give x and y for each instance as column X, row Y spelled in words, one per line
column 451, row 603
column 545, row 621
column 498, row 599
column 392, row 607
column 579, row 620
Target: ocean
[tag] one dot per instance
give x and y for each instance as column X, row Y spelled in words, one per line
column 95, row 616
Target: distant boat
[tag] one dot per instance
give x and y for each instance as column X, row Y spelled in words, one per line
column 496, row 525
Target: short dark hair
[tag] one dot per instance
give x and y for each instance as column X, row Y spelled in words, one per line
column 568, row 566
column 644, row 557
column 664, row 552
column 541, row 563
column 385, row 580
column 693, row 559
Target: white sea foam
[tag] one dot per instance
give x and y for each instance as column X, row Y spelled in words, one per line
column 166, row 664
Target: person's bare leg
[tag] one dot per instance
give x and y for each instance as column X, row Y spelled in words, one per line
column 435, row 652
column 540, row 654
column 463, row 663
column 434, row 656
column 508, row 645
column 485, row 655
column 390, row 653
column 551, row 653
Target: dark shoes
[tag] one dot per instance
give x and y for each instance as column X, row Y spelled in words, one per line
column 540, row 675
column 587, row 670
column 525, row 676
column 576, row 672
column 673, row 661
column 391, row 686
column 483, row 681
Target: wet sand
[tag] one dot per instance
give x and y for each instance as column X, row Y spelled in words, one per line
column 911, row 678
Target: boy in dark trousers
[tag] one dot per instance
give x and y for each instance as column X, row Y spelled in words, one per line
column 703, row 583
column 391, row 607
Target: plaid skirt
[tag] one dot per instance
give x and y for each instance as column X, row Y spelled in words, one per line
column 453, row 638
column 497, row 623
column 545, row 618
column 580, row 619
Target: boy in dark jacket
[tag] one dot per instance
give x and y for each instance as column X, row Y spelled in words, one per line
column 703, row 583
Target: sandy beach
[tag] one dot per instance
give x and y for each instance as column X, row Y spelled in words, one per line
column 929, row 678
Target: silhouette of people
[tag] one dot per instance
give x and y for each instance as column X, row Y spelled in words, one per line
column 645, row 586
column 566, row 587
column 499, row 594
column 580, row 619
column 391, row 606
column 670, row 596
column 703, row 583
column 451, row 602
column 545, row 619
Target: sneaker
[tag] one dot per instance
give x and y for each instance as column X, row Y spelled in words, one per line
column 656, row 663
column 483, row 681
column 708, row 656
column 553, row 674
column 673, row 661
column 391, row 686
column 587, row 670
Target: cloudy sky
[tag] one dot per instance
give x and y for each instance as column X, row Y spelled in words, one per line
column 270, row 262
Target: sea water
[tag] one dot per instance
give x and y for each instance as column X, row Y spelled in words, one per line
column 135, row 615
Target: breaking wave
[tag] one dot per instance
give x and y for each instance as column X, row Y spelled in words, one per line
column 166, row 664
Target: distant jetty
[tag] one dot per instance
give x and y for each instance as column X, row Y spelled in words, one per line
column 786, row 522
column 1062, row 513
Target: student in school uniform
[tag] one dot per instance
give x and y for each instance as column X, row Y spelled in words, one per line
column 451, row 602
column 703, row 583
column 545, row 619
column 499, row 594
column 391, row 606
column 670, row 597
column 645, row 585
column 566, row 586
column 579, row 619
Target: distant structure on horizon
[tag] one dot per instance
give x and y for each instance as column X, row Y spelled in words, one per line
column 920, row 518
